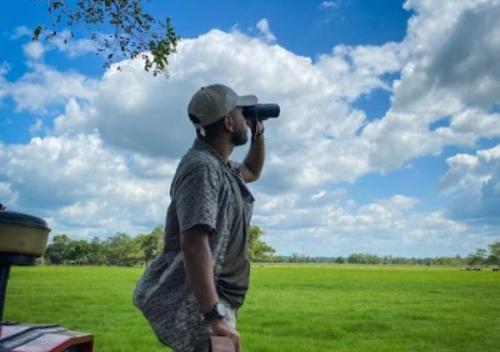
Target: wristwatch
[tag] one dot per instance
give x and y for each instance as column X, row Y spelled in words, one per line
column 218, row 312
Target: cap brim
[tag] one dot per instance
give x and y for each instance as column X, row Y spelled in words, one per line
column 246, row 100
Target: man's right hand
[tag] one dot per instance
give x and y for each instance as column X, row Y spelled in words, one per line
column 220, row 327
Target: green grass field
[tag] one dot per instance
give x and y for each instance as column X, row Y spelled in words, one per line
column 289, row 307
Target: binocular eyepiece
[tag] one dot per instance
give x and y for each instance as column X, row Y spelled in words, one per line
column 261, row 112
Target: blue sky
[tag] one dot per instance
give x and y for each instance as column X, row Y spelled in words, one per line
column 388, row 143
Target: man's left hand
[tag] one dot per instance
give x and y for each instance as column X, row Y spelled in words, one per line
column 257, row 128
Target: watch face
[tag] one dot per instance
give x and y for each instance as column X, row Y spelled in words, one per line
column 221, row 309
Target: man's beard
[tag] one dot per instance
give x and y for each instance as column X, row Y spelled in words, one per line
column 240, row 139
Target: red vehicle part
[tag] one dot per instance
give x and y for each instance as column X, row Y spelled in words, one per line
column 43, row 338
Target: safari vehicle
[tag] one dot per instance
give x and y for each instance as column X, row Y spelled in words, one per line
column 22, row 239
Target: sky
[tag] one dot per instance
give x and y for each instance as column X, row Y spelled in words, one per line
column 388, row 140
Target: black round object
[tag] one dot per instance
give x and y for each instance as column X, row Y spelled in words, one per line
column 261, row 112
column 13, row 218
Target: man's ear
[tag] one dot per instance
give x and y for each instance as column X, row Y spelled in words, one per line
column 228, row 123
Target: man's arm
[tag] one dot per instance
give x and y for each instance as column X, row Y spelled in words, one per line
column 254, row 161
column 200, row 273
column 199, row 267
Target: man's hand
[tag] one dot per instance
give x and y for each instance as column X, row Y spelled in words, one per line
column 256, row 126
column 220, row 327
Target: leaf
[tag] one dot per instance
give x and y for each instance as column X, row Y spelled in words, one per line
column 57, row 4
column 135, row 30
column 36, row 33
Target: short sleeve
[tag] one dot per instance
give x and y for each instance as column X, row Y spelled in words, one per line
column 196, row 197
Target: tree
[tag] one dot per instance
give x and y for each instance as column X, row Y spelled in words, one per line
column 495, row 249
column 258, row 249
column 477, row 258
column 57, row 251
column 78, row 252
column 121, row 250
column 362, row 258
column 151, row 244
column 96, row 254
column 134, row 31
column 494, row 257
column 64, row 250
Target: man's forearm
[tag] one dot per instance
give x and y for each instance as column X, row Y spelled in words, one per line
column 199, row 268
column 254, row 160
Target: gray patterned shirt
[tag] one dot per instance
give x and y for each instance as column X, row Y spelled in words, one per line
column 208, row 192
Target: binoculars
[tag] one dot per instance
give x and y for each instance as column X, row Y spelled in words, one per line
column 261, row 112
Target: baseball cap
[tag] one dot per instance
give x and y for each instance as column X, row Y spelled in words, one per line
column 211, row 103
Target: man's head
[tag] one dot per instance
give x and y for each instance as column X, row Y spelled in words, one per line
column 217, row 109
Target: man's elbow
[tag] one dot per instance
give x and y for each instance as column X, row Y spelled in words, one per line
column 249, row 175
column 252, row 178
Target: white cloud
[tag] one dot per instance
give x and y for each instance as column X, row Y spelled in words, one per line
column 135, row 111
column 450, row 71
column 21, row 31
column 453, row 47
column 357, row 70
column 38, row 90
column 34, row 50
column 337, row 227
column 428, row 90
column 265, row 31
column 330, row 12
column 330, row 4
column 83, row 187
column 36, row 127
column 472, row 185
column 7, row 195
column 63, row 41
column 4, row 84
column 73, row 47
column 132, row 110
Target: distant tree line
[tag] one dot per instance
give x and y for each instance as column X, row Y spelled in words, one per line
column 122, row 249
column 479, row 258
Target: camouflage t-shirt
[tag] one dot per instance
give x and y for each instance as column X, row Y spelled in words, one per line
column 205, row 191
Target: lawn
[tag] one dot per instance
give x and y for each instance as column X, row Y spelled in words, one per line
column 289, row 307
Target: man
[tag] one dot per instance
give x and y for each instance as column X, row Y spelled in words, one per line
column 194, row 289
